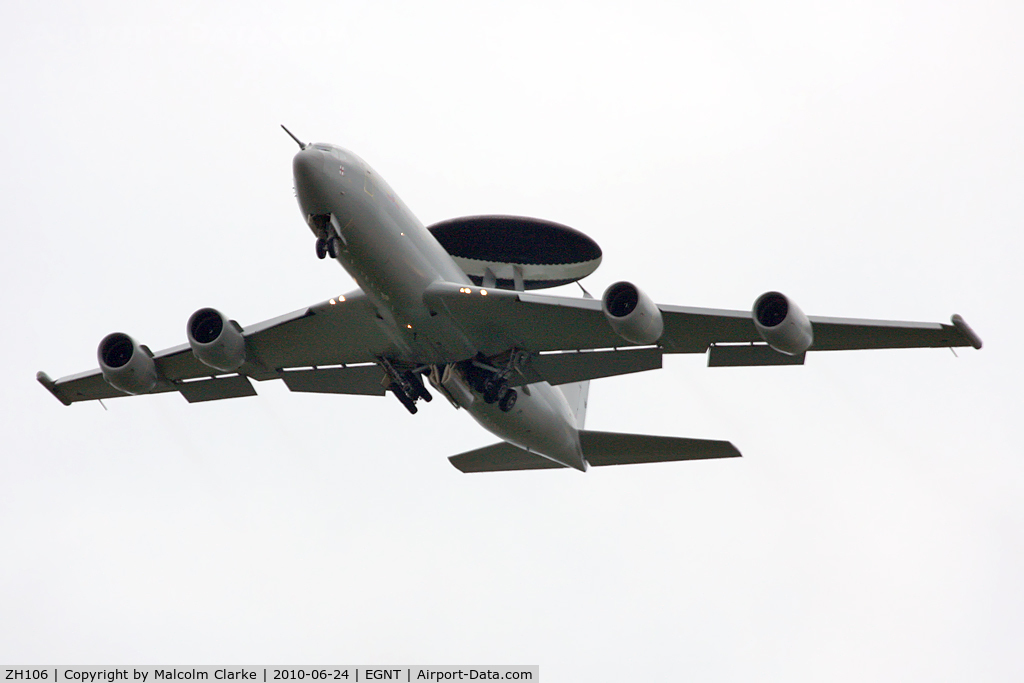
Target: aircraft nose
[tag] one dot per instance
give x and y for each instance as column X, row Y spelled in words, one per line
column 307, row 165
column 312, row 184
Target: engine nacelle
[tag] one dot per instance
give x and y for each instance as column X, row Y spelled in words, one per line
column 782, row 324
column 215, row 340
column 126, row 365
column 632, row 314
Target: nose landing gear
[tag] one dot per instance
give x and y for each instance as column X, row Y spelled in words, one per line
column 328, row 243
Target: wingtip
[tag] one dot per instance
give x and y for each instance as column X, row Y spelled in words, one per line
column 961, row 325
column 455, row 463
column 51, row 386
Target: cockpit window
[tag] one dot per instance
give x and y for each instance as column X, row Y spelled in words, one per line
column 322, row 147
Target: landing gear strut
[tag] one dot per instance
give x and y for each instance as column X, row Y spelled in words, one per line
column 406, row 385
column 492, row 383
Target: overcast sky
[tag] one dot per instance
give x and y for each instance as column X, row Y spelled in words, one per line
column 866, row 158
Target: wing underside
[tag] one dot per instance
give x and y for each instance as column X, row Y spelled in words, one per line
column 538, row 323
column 333, row 347
column 330, row 347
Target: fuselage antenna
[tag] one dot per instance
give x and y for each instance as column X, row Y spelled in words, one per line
column 302, row 145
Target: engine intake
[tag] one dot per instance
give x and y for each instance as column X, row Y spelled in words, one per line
column 632, row 314
column 215, row 340
column 127, row 365
column 782, row 324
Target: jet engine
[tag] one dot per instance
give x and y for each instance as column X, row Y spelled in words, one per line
column 126, row 365
column 632, row 314
column 782, row 324
column 215, row 340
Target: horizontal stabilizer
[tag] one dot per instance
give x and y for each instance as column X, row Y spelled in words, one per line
column 501, row 457
column 599, row 449
column 611, row 448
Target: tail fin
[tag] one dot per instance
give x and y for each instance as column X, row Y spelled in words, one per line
column 576, row 394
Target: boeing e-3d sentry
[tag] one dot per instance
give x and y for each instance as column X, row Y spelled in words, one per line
column 452, row 303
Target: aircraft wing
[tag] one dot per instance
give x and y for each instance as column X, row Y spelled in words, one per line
column 559, row 331
column 329, row 347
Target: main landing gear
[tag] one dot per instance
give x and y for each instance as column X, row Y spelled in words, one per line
column 493, row 384
column 406, row 385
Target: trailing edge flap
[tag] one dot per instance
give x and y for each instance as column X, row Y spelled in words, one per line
column 355, row 379
column 599, row 449
column 576, row 366
column 216, row 388
column 740, row 355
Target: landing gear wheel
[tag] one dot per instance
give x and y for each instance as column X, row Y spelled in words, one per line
column 333, row 246
column 418, row 388
column 321, row 248
column 508, row 401
column 409, row 403
column 492, row 389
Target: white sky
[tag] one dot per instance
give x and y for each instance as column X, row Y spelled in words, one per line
column 865, row 158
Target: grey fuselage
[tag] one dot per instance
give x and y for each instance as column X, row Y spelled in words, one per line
column 394, row 259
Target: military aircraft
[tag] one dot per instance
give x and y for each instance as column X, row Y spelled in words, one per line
column 453, row 303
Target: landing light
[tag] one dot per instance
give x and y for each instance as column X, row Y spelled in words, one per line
column 483, row 292
column 332, row 302
column 409, row 326
column 341, row 298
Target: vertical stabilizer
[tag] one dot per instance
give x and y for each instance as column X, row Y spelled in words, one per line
column 576, row 394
